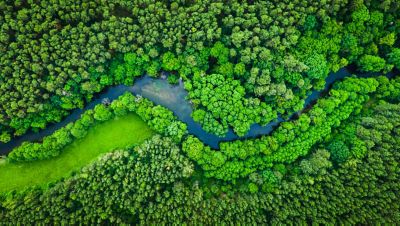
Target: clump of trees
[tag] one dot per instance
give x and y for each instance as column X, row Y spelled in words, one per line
column 244, row 62
column 290, row 140
column 225, row 105
column 57, row 55
column 157, row 117
column 155, row 184
column 126, row 178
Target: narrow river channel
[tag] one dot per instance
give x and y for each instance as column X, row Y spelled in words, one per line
column 173, row 97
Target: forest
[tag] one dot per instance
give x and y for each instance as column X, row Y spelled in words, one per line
column 303, row 96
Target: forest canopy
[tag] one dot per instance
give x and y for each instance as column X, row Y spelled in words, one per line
column 301, row 100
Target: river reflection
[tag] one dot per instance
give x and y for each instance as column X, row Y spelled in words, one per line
column 173, row 97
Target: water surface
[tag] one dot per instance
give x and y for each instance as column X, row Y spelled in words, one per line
column 173, row 97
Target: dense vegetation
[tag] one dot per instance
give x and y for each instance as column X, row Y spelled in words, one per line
column 105, row 137
column 152, row 184
column 242, row 62
column 158, row 118
column 292, row 139
column 226, row 105
column 56, row 53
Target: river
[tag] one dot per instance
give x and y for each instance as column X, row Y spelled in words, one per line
column 173, row 97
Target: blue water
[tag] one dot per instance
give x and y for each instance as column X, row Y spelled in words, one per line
column 173, row 97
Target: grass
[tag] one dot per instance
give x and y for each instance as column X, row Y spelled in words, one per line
column 102, row 138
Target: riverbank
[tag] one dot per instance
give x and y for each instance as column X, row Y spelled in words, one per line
column 102, row 138
column 173, row 97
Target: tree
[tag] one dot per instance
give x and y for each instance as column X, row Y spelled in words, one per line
column 318, row 67
column 371, row 63
column 119, row 108
column 388, row 40
column 78, row 130
column 220, row 52
column 102, row 113
column 240, row 69
column 394, row 57
column 170, row 62
column 5, row 137
column 317, row 164
column 339, row 151
column 310, row 23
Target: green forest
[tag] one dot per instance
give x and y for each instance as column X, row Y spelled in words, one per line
column 293, row 117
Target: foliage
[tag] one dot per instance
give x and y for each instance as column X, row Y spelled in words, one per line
column 242, row 62
column 115, row 186
column 339, row 151
column 371, row 63
column 394, row 57
column 317, row 164
column 106, row 137
column 158, row 118
column 151, row 186
column 58, row 55
column 225, row 105
column 290, row 140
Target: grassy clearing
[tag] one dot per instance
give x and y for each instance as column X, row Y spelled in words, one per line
column 102, row 138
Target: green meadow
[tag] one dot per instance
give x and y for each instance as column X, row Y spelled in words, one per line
column 105, row 137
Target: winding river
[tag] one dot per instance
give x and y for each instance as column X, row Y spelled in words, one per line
column 173, row 97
